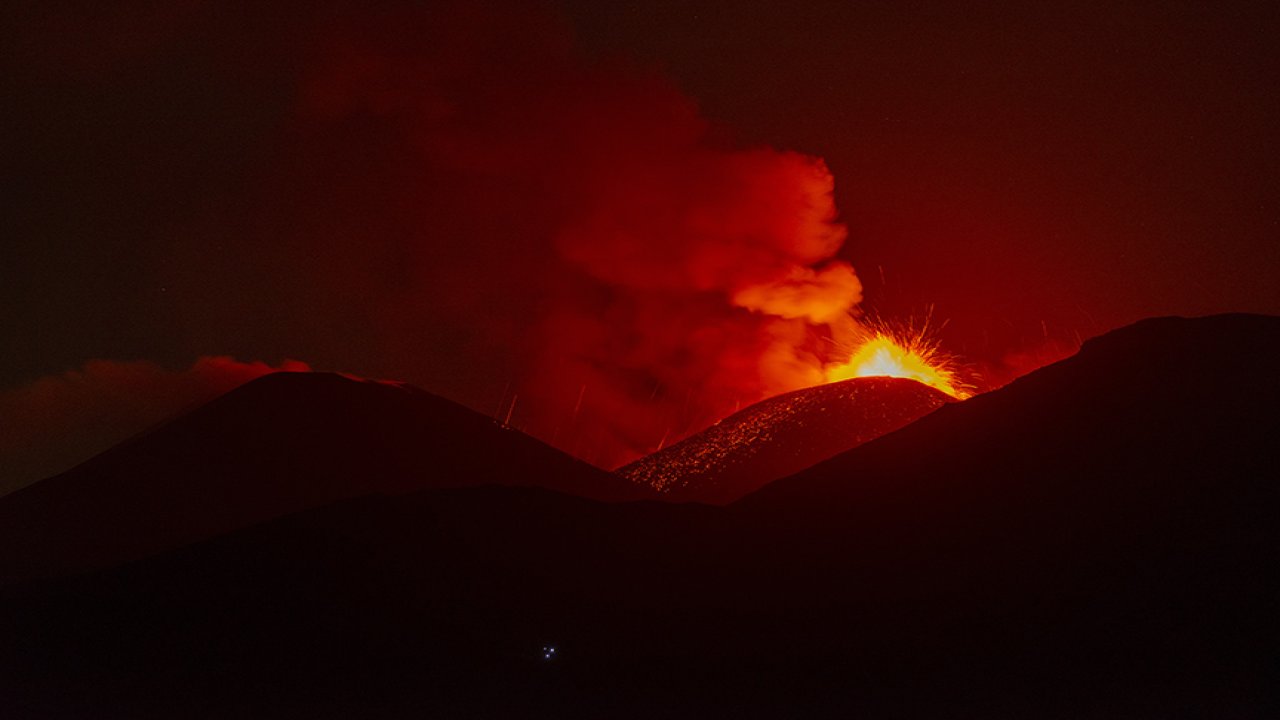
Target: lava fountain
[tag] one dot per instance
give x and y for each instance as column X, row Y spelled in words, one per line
column 886, row 353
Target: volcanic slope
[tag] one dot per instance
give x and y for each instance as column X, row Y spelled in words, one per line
column 780, row 436
column 279, row 444
column 1095, row 540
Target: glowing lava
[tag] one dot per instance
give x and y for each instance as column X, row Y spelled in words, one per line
column 888, row 355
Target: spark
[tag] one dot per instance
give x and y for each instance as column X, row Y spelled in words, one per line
column 511, row 409
column 578, row 405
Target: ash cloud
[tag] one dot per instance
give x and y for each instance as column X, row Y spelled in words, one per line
column 452, row 195
column 646, row 276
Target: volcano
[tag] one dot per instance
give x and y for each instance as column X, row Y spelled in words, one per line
column 1094, row 540
column 279, row 444
column 781, row 436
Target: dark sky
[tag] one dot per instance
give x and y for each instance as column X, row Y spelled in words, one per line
column 233, row 179
column 1085, row 164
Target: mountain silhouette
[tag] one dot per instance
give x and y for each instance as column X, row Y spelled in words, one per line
column 1094, row 540
column 282, row 443
column 781, row 436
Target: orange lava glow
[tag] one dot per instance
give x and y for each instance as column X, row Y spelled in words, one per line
column 890, row 355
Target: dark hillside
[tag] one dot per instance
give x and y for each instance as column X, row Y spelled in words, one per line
column 1096, row 540
column 279, row 444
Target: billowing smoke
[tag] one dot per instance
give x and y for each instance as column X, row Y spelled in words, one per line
column 454, row 196
column 648, row 276
column 704, row 282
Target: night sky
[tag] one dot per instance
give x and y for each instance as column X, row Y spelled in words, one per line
column 1085, row 166
column 388, row 193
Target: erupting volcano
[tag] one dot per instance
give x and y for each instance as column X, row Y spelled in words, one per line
column 746, row 360
column 893, row 376
column 903, row 355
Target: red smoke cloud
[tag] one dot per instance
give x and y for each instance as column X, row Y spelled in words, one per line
column 646, row 276
column 453, row 196
column 62, row 420
column 705, row 281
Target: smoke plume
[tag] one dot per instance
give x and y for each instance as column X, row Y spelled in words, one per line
column 647, row 276
column 452, row 195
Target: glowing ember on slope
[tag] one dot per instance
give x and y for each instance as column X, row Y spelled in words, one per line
column 902, row 355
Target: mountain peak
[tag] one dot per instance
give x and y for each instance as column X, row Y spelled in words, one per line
column 278, row 444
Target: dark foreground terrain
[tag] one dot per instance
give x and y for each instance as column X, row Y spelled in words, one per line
column 1096, row 540
column 280, row 444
